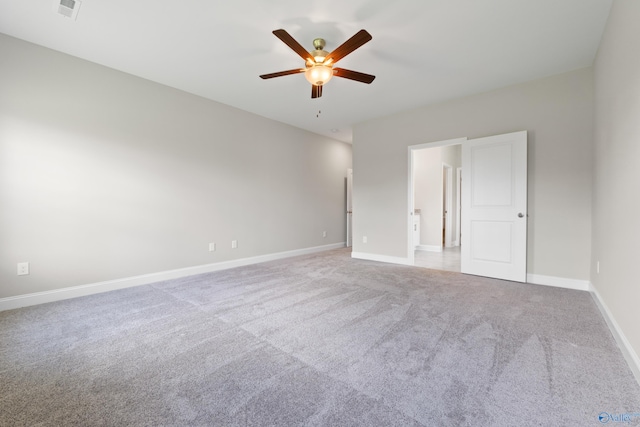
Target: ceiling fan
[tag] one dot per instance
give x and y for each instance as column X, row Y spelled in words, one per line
column 319, row 63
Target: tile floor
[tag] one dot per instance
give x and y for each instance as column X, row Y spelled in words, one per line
column 448, row 259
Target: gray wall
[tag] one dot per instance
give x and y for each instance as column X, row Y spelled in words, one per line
column 616, row 203
column 557, row 112
column 104, row 176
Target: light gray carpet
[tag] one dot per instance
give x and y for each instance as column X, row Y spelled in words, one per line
column 318, row 340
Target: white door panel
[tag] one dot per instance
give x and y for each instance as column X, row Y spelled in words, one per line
column 491, row 182
column 494, row 207
column 491, row 241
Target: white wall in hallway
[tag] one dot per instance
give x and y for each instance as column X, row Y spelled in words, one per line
column 428, row 190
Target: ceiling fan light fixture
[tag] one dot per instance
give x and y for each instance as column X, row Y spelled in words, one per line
column 319, row 63
column 318, row 74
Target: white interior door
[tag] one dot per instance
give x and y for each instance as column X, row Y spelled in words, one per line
column 349, row 208
column 494, row 207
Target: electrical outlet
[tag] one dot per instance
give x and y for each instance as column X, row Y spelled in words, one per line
column 364, row 239
column 23, row 268
column 234, row 244
column 324, row 234
column 212, row 247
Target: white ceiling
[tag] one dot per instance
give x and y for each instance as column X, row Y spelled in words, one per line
column 422, row 52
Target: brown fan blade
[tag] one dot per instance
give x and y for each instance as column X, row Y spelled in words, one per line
column 282, row 73
column 360, row 38
column 353, row 75
column 316, row 91
column 293, row 44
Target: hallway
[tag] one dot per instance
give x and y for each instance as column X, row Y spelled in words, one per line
column 448, row 259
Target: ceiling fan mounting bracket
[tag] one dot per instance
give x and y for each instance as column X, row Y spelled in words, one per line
column 319, row 44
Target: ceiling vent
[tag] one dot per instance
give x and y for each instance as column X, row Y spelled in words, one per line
column 67, row 8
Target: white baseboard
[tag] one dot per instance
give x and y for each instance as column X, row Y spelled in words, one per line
column 429, row 248
column 128, row 282
column 623, row 343
column 558, row 282
column 381, row 258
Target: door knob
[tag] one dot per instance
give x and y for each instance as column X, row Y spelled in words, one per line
column 520, row 215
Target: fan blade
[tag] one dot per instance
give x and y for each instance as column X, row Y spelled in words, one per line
column 316, row 91
column 293, row 44
column 353, row 75
column 360, row 38
column 281, row 73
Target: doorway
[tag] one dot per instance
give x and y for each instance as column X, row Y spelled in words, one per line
column 492, row 218
column 448, row 213
column 349, row 184
column 434, row 204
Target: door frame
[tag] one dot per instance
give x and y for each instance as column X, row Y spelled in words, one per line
column 410, row 187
